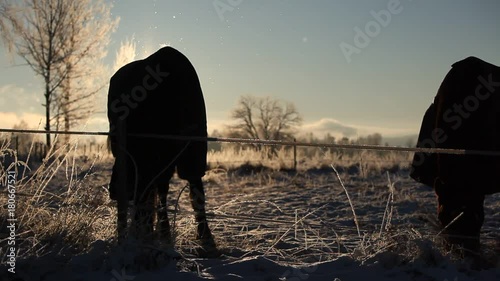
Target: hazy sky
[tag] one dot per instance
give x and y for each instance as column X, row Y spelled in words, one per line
column 298, row 51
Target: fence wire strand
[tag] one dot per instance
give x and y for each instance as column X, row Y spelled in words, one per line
column 272, row 142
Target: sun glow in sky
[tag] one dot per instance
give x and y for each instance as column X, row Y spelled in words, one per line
column 350, row 67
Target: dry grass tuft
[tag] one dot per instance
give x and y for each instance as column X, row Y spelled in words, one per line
column 56, row 211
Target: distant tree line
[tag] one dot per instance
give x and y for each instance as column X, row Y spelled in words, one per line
column 266, row 118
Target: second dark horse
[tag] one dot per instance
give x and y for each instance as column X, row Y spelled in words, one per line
column 159, row 95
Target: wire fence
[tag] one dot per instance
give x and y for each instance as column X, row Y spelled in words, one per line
column 290, row 158
column 272, row 142
column 90, row 149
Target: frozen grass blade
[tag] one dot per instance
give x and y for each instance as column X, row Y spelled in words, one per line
column 389, row 206
column 293, row 227
column 448, row 225
column 349, row 199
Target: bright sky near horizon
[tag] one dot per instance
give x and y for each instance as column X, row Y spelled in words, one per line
column 352, row 67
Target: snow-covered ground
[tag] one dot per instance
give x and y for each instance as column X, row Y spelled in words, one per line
column 285, row 226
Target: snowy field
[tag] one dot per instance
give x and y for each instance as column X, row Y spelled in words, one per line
column 269, row 225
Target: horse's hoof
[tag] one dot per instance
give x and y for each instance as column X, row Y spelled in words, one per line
column 208, row 248
column 208, row 252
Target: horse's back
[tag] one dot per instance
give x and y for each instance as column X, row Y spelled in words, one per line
column 159, row 95
column 466, row 115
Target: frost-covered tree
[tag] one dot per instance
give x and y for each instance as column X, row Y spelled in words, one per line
column 265, row 118
column 64, row 43
column 6, row 21
column 126, row 53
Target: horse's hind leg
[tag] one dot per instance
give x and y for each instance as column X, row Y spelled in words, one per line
column 197, row 196
column 122, row 206
column 144, row 215
column 203, row 233
column 163, row 225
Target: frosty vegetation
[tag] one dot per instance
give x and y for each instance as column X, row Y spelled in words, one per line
column 264, row 214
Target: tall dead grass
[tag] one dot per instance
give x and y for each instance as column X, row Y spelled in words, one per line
column 56, row 209
column 62, row 211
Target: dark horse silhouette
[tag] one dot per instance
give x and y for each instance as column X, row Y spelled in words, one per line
column 159, row 95
column 465, row 115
